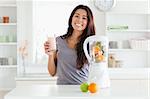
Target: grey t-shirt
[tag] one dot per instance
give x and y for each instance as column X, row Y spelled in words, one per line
column 67, row 72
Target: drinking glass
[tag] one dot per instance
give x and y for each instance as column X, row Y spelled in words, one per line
column 51, row 38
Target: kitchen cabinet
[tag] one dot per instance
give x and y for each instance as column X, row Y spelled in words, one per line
column 8, row 44
column 128, row 30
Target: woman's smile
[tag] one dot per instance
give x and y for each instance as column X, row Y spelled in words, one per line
column 79, row 20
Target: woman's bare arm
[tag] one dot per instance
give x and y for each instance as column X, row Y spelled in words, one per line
column 52, row 62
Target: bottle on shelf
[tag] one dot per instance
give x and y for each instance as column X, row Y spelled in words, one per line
column 3, row 61
column 10, row 60
column 111, row 61
column 119, row 63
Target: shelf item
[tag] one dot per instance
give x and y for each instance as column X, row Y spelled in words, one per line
column 140, row 43
column 7, row 39
column 117, row 27
column 119, row 44
column 7, row 61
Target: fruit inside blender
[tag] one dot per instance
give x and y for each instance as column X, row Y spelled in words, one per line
column 98, row 52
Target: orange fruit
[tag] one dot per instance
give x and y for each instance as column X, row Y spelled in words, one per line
column 101, row 58
column 93, row 87
column 96, row 48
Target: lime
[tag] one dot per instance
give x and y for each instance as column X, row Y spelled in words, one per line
column 84, row 87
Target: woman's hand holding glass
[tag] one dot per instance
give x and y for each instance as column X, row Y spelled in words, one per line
column 50, row 46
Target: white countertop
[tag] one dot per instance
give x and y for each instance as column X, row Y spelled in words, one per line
column 116, row 91
column 118, row 73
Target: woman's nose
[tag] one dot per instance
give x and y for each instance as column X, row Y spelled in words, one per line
column 80, row 19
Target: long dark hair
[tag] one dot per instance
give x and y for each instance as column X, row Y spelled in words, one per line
column 89, row 31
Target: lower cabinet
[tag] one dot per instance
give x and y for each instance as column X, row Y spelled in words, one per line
column 33, row 80
column 7, row 78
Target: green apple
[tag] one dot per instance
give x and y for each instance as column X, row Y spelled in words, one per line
column 84, row 87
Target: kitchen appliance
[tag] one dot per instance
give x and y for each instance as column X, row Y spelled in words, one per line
column 97, row 55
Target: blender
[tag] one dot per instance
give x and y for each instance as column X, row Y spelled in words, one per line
column 97, row 56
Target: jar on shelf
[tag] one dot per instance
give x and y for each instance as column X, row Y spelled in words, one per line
column 3, row 61
column 3, row 38
column 119, row 63
column 11, row 37
column 111, row 61
column 10, row 60
column 5, row 19
column 126, row 44
column 113, row 44
column 119, row 44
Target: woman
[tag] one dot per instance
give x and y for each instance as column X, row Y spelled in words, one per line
column 69, row 60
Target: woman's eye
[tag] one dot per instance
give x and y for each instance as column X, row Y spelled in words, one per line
column 76, row 16
column 84, row 18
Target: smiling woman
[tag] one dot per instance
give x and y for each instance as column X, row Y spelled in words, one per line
column 68, row 61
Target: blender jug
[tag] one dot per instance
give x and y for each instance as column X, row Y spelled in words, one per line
column 97, row 57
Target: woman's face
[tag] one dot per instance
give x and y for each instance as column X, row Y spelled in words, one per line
column 79, row 20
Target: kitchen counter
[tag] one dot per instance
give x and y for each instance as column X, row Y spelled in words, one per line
column 116, row 91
